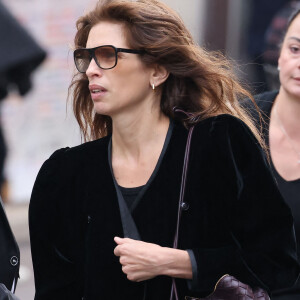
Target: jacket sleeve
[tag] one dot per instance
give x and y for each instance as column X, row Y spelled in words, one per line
column 56, row 274
column 263, row 248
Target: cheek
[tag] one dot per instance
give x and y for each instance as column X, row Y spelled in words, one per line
column 134, row 81
column 286, row 65
column 284, row 76
column 282, row 61
column 130, row 79
column 125, row 76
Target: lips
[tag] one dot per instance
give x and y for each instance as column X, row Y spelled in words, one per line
column 95, row 88
column 97, row 91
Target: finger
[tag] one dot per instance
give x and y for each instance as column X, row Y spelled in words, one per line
column 117, row 251
column 136, row 276
column 123, row 260
column 128, row 240
column 119, row 240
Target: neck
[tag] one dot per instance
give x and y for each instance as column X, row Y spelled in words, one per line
column 137, row 132
column 288, row 111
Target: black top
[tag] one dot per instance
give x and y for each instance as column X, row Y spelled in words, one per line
column 130, row 194
column 290, row 190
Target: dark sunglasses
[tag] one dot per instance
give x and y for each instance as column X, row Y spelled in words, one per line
column 106, row 57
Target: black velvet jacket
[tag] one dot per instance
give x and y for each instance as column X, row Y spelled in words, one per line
column 237, row 222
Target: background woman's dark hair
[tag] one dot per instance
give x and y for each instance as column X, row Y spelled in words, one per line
column 293, row 16
column 294, row 10
column 200, row 82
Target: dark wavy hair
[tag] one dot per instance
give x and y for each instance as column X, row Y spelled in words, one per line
column 294, row 14
column 200, row 82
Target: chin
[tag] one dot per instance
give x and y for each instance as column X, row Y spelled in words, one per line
column 101, row 109
column 295, row 93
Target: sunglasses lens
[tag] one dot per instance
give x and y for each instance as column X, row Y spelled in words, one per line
column 82, row 60
column 106, row 57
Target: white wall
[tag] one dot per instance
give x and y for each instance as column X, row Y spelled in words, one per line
column 236, row 26
column 192, row 12
column 38, row 124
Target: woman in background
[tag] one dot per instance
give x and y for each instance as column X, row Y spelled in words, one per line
column 136, row 61
column 281, row 113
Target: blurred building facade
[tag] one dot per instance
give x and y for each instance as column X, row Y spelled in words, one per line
column 42, row 122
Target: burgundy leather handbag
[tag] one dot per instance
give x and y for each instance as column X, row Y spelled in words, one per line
column 227, row 287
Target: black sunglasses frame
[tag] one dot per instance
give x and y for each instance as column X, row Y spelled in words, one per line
column 91, row 52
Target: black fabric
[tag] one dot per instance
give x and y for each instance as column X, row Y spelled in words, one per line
column 157, row 167
column 3, row 152
column 290, row 190
column 130, row 194
column 19, row 54
column 288, row 296
column 9, row 253
column 237, row 222
column 128, row 224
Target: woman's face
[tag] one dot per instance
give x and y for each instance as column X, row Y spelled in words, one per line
column 124, row 87
column 289, row 60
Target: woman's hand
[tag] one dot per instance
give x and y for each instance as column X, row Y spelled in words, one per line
column 142, row 261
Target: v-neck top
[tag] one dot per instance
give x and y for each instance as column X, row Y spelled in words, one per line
column 132, row 197
column 289, row 189
column 130, row 194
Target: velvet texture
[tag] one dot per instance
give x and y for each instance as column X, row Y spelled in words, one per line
column 237, row 222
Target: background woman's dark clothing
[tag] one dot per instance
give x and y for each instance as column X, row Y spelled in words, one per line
column 237, row 222
column 9, row 253
column 290, row 190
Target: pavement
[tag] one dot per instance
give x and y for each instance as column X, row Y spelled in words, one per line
column 17, row 215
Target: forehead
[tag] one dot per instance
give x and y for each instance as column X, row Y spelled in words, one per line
column 294, row 29
column 107, row 33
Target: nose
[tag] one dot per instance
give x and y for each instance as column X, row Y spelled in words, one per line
column 93, row 69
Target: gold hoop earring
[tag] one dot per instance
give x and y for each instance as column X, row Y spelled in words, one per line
column 153, row 86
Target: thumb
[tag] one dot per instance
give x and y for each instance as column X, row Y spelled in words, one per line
column 119, row 240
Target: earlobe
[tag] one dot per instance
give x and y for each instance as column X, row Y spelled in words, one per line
column 159, row 76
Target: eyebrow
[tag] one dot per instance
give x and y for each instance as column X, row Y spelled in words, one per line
column 294, row 38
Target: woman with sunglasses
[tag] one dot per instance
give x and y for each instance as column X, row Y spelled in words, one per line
column 136, row 61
